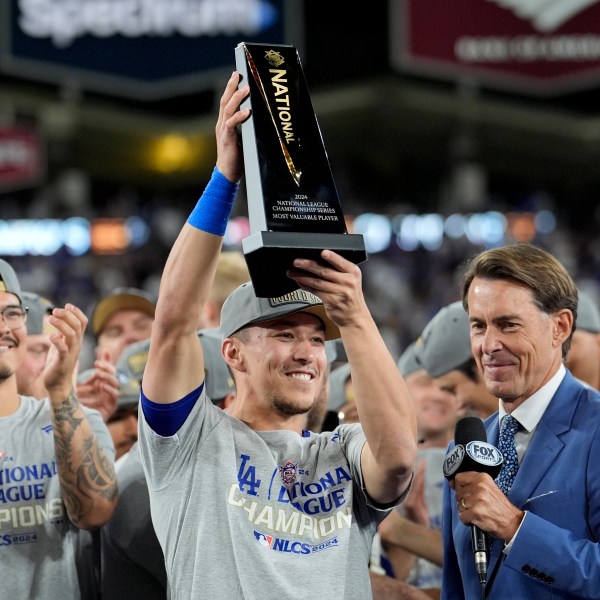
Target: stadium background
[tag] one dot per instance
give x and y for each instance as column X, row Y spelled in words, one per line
column 433, row 161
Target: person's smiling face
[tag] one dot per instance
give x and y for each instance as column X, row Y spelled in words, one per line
column 285, row 360
column 517, row 346
column 12, row 340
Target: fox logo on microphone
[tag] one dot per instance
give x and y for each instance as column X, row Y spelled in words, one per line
column 453, row 460
column 484, row 453
column 474, row 456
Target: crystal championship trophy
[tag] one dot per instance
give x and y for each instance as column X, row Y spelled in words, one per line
column 293, row 206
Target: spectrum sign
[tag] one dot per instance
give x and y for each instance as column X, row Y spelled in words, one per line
column 143, row 49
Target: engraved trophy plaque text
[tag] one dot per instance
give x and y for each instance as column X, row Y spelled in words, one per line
column 293, row 205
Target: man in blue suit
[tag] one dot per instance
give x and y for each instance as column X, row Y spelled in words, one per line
column 544, row 531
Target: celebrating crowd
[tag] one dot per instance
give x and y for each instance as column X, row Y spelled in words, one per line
column 225, row 445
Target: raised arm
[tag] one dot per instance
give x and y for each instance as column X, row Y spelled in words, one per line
column 86, row 474
column 384, row 404
column 175, row 364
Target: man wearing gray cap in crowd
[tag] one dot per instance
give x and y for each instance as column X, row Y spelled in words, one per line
column 583, row 359
column 437, row 409
column 446, row 355
column 412, row 533
column 132, row 559
column 245, row 503
column 55, row 457
column 30, row 375
column 120, row 318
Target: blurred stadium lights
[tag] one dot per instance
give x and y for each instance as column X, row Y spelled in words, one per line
column 376, row 230
column 545, row 221
column 78, row 236
column 175, row 152
column 411, row 231
column 44, row 237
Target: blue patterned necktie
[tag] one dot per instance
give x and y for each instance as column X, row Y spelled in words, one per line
column 507, row 447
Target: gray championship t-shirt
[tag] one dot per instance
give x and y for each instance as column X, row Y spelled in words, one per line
column 39, row 546
column 244, row 514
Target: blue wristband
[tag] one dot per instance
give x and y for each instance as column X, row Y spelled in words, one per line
column 214, row 207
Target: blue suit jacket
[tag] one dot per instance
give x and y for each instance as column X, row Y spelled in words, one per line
column 556, row 553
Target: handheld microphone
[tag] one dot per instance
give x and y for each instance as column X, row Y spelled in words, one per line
column 471, row 452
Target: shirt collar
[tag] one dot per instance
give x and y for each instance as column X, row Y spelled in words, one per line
column 530, row 412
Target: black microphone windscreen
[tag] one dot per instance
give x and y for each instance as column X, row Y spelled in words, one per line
column 469, row 429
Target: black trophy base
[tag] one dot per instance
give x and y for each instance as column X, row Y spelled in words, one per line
column 269, row 254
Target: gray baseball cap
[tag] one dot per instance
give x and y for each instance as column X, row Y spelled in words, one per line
column 409, row 361
column 129, row 391
column 9, row 281
column 337, row 383
column 588, row 314
column 445, row 343
column 38, row 307
column 243, row 308
column 129, row 387
column 133, row 359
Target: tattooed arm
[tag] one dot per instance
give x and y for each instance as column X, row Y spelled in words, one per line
column 86, row 474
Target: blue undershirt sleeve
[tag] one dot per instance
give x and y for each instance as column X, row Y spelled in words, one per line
column 167, row 419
